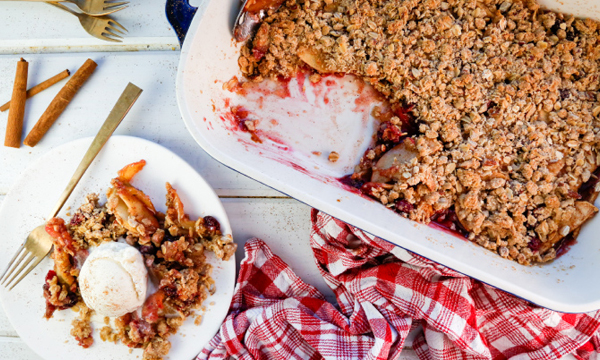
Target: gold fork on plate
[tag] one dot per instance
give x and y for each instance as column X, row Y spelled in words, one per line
column 93, row 7
column 39, row 242
column 101, row 27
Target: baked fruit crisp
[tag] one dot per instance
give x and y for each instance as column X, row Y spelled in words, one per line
column 493, row 123
column 173, row 249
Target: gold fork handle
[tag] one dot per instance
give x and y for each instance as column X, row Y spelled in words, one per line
column 121, row 108
column 60, row 6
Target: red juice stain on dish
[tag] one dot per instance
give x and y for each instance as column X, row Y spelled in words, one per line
column 240, row 116
column 281, row 145
column 565, row 246
column 293, row 165
column 282, row 88
column 367, row 96
column 300, row 78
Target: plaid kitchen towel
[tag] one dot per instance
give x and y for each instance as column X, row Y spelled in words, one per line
column 384, row 292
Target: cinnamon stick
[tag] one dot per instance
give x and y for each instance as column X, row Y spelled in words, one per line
column 14, row 127
column 60, row 102
column 40, row 87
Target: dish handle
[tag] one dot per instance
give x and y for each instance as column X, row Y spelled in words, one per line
column 180, row 14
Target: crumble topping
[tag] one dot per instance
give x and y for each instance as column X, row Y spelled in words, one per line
column 493, row 116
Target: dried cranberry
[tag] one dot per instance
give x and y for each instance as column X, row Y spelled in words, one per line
column 147, row 250
column 77, row 219
column 564, row 94
column 440, row 216
column 170, row 291
column 170, row 238
column 404, row 206
column 409, row 125
column 403, row 112
column 72, row 300
column 389, row 133
column 51, row 274
column 350, row 181
column 212, row 224
column 534, row 244
column 368, row 187
column 554, row 29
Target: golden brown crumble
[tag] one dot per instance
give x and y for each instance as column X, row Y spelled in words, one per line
column 503, row 99
column 82, row 328
column 333, row 156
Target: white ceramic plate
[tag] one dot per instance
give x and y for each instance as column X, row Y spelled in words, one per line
column 326, row 118
column 34, row 195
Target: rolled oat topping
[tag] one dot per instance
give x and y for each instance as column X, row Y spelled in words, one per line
column 494, row 117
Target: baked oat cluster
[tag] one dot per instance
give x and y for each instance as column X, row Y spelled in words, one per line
column 173, row 248
column 494, row 116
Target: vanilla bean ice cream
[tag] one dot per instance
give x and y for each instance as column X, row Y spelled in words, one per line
column 113, row 279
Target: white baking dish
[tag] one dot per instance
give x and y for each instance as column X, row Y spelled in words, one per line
column 293, row 127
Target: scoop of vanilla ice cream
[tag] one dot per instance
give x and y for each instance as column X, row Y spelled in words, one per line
column 113, row 279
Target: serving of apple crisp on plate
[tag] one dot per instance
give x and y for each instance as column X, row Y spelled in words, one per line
column 130, row 275
column 493, row 127
column 170, row 251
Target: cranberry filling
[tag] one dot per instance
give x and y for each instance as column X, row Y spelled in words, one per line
column 212, row 224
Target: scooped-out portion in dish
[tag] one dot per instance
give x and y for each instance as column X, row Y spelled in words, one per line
column 108, row 257
column 493, row 128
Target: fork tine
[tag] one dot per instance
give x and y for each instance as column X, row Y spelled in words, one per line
column 112, row 33
column 10, row 267
column 116, row 23
column 111, row 10
column 104, row 36
column 31, row 267
column 30, row 259
column 114, row 29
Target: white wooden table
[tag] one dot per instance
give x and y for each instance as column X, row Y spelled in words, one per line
column 52, row 40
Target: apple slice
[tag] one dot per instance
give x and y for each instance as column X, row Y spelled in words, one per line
column 583, row 212
column 388, row 164
column 313, row 59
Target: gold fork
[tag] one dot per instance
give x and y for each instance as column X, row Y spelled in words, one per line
column 101, row 27
column 39, row 242
column 93, row 7
column 98, row 7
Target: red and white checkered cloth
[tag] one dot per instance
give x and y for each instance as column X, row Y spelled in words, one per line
column 383, row 292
